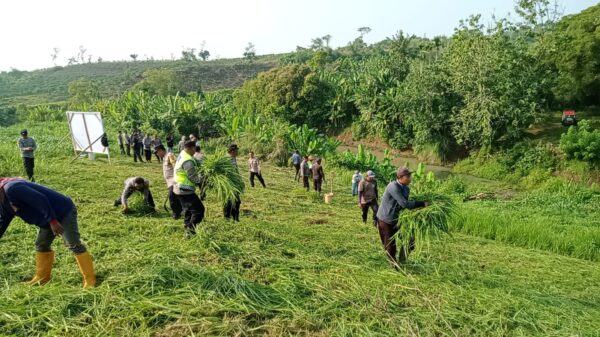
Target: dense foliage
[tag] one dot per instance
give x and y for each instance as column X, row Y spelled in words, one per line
column 294, row 93
column 571, row 51
column 8, row 115
column 364, row 161
column 582, row 142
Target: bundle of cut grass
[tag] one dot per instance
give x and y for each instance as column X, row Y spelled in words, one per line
column 429, row 222
column 221, row 177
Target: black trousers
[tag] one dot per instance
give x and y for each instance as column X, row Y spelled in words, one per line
column 29, row 164
column 122, row 148
column 386, row 234
column 259, row 176
column 305, row 182
column 297, row 176
column 137, row 153
column 365, row 211
column 128, row 148
column 149, row 201
column 148, row 154
column 232, row 209
column 174, row 203
column 317, row 184
column 193, row 211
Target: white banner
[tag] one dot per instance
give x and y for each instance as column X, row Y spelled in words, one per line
column 86, row 131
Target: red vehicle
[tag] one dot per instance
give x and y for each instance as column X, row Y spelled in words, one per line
column 568, row 118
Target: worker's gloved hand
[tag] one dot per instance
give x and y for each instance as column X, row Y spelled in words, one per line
column 56, row 227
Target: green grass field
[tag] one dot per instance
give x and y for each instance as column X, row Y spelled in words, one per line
column 292, row 266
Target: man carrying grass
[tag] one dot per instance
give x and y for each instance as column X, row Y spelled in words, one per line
column 186, row 179
column 132, row 185
column 55, row 215
column 394, row 200
column 27, row 146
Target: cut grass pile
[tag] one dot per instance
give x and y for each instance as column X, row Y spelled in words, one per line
column 292, row 266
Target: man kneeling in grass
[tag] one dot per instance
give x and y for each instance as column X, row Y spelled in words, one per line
column 394, row 200
column 54, row 214
column 136, row 184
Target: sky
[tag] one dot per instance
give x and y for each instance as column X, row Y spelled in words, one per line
column 114, row 29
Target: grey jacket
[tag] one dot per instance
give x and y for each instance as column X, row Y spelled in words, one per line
column 394, row 200
column 130, row 188
column 147, row 141
column 25, row 143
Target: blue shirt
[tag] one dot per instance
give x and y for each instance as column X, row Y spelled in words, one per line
column 35, row 204
column 296, row 159
column 395, row 199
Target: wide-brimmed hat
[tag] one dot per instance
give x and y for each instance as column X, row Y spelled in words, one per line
column 24, row 132
column 370, row 174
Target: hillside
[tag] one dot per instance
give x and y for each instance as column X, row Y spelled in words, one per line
column 50, row 85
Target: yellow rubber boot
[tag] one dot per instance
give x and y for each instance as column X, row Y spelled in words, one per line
column 86, row 267
column 43, row 268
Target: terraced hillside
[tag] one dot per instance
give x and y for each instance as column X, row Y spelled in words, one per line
column 50, row 85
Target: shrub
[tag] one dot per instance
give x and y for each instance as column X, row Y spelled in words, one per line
column 366, row 160
column 581, row 142
column 294, row 93
column 310, row 141
column 8, row 115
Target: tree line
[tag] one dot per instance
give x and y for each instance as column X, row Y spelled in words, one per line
column 477, row 90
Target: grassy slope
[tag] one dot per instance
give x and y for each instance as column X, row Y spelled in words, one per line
column 50, row 85
column 280, row 271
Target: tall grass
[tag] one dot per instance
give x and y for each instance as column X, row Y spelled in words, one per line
column 559, row 216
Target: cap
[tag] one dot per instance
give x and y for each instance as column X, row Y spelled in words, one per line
column 232, row 147
column 24, row 131
column 403, row 171
column 159, row 147
column 370, row 173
